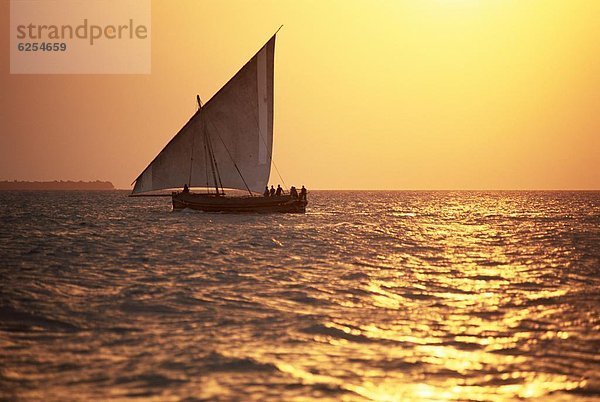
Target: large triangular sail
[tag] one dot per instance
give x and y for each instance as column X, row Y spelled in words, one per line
column 238, row 124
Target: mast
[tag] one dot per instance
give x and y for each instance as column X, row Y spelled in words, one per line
column 193, row 141
column 211, row 157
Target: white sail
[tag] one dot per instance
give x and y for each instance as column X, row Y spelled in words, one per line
column 238, row 123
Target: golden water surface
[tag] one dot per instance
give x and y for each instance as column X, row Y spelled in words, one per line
column 383, row 296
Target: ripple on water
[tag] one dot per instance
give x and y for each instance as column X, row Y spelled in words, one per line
column 369, row 296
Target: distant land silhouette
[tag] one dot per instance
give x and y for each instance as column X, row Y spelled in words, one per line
column 56, row 185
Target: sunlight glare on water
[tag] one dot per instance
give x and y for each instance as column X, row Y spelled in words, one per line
column 381, row 296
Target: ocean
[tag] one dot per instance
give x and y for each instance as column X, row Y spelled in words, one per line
column 369, row 296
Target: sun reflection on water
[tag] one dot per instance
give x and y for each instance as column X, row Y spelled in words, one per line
column 424, row 296
column 460, row 311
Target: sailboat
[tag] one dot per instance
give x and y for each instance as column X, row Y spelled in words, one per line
column 226, row 147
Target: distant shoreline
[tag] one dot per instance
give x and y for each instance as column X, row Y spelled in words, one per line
column 56, row 185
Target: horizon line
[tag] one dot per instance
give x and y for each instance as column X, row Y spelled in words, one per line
column 424, row 189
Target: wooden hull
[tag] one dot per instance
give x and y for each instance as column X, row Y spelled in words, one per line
column 212, row 203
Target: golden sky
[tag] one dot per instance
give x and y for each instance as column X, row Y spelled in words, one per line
column 423, row 94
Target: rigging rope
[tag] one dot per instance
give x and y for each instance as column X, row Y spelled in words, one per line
column 220, row 184
column 191, row 161
column 206, row 165
column 231, row 157
column 270, row 152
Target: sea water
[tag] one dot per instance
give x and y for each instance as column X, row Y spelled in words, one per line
column 378, row 296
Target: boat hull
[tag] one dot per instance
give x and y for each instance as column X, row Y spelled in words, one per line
column 223, row 204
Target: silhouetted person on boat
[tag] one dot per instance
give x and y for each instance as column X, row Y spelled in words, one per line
column 266, row 193
column 272, row 192
column 293, row 192
column 303, row 193
column 279, row 191
column 186, row 189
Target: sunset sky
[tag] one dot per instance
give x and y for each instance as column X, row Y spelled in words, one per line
column 427, row 94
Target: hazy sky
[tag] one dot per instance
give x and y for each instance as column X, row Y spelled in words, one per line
column 423, row 94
